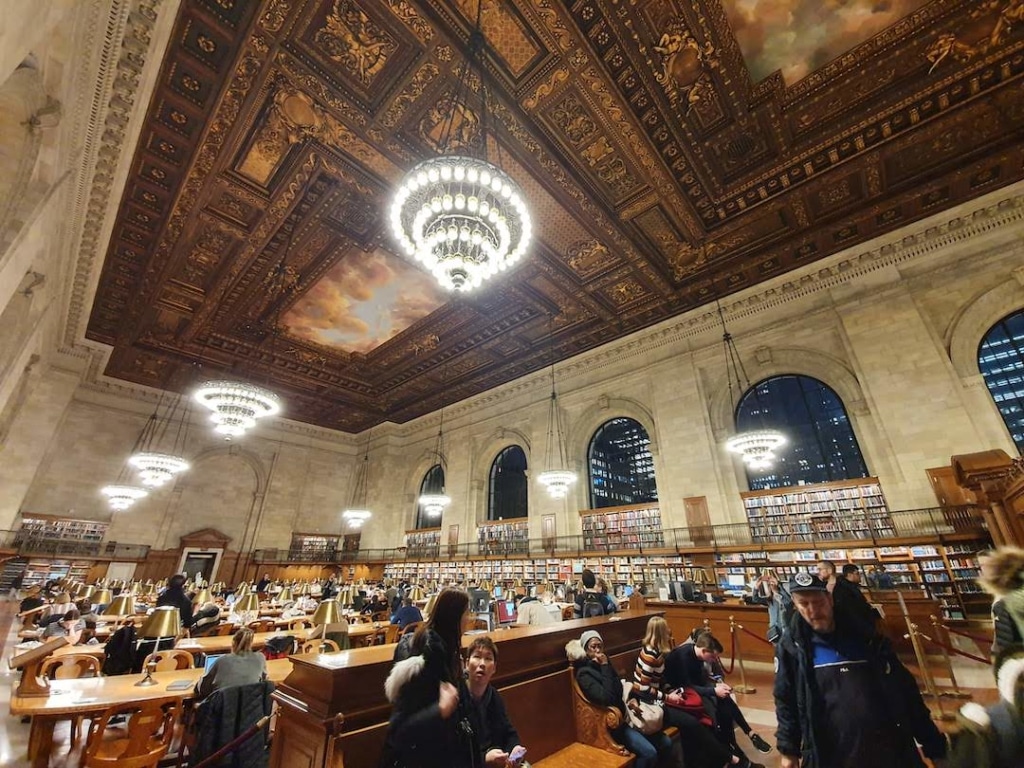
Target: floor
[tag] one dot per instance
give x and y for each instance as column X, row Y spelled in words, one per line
column 972, row 677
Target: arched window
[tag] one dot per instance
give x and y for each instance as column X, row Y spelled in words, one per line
column 507, row 496
column 433, row 482
column 1001, row 360
column 621, row 465
column 820, row 443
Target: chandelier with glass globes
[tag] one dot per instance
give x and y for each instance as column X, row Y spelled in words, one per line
column 235, row 405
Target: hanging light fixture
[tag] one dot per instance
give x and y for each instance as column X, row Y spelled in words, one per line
column 557, row 479
column 235, row 406
column 158, row 467
column 756, row 447
column 434, row 504
column 462, row 217
column 357, row 513
column 121, row 497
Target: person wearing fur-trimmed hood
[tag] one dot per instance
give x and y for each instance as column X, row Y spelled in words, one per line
column 993, row 737
column 426, row 729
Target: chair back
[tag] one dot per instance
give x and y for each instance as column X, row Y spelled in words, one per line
column 168, row 661
column 318, row 646
column 223, row 630
column 144, row 742
column 391, row 634
column 262, row 625
column 478, row 624
column 296, row 624
column 411, row 627
column 381, row 616
column 71, row 666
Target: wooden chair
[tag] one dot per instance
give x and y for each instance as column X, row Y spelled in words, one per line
column 594, row 724
column 169, row 661
column 391, row 636
column 262, row 625
column 377, row 637
column 478, row 624
column 72, row 666
column 146, row 739
column 223, row 630
column 318, row 646
column 381, row 616
column 412, row 626
column 296, row 624
column 362, row 618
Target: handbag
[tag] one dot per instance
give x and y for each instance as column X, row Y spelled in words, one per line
column 692, row 704
column 648, row 718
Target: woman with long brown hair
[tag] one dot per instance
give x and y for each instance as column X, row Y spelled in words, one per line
column 425, row 729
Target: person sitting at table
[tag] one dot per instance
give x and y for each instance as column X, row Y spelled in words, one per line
column 175, row 597
column 69, row 626
column 206, row 616
column 337, row 632
column 495, row 736
column 291, row 609
column 32, row 601
column 534, row 610
column 242, row 666
column 407, row 614
column 377, row 604
column 61, row 604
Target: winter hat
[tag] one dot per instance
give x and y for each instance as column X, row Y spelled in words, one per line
column 589, row 635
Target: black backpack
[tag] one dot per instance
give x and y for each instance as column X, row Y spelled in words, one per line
column 592, row 605
column 119, row 652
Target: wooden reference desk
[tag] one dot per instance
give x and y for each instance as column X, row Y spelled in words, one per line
column 328, row 694
column 91, row 696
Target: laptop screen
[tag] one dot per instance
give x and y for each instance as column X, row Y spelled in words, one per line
column 210, row 658
column 507, row 613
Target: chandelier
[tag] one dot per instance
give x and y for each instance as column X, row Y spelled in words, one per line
column 157, row 467
column 357, row 514
column 235, row 406
column 756, row 447
column 121, row 497
column 558, row 479
column 462, row 217
column 435, row 502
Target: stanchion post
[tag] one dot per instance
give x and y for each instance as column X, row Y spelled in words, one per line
column 956, row 693
column 742, row 687
column 922, row 661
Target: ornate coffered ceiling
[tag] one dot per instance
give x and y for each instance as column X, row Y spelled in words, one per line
column 657, row 170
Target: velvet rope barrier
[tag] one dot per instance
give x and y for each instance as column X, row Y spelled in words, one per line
column 957, row 651
column 756, row 637
column 968, row 635
column 732, row 653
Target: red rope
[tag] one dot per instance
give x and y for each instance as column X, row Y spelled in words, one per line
column 732, row 661
column 951, row 649
column 976, row 638
column 756, row 637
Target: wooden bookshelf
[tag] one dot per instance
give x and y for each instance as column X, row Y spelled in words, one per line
column 42, row 533
column 846, row 509
column 313, row 547
column 504, row 537
column 633, row 527
column 423, row 542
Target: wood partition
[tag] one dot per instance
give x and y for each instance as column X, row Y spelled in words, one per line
column 329, row 695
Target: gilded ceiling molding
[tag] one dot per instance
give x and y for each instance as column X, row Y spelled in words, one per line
column 109, row 93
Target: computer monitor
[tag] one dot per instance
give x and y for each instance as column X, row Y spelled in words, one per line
column 210, row 659
column 688, row 591
column 497, row 593
column 479, row 601
column 507, row 613
column 627, row 591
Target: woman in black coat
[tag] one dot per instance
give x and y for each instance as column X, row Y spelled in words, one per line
column 426, row 729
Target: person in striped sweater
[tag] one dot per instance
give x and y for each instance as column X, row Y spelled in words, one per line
column 650, row 664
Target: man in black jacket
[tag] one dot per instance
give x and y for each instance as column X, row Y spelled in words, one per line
column 175, row 596
column 845, row 594
column 493, row 733
column 842, row 697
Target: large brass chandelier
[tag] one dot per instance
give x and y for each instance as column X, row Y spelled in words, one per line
column 462, row 217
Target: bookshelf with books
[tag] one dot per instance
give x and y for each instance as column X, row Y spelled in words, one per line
column 845, row 509
column 505, row 537
column 64, row 535
column 313, row 547
column 634, row 527
column 423, row 542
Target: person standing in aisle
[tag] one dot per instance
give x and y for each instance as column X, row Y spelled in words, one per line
column 1002, row 575
column 842, row 697
column 846, row 595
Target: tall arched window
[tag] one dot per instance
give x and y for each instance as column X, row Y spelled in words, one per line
column 507, row 496
column 820, row 443
column 621, row 465
column 433, row 482
column 1001, row 360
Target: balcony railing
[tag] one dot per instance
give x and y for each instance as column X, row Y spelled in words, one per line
column 42, row 546
column 933, row 524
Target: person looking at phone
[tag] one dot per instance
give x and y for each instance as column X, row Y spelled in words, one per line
column 496, row 737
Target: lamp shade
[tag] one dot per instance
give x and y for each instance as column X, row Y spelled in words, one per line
column 243, row 589
column 416, row 593
column 85, row 593
column 102, row 596
column 202, row 597
column 136, row 588
column 285, row 595
column 248, row 602
column 328, row 612
column 164, row 621
column 430, row 605
column 347, row 595
column 122, row 605
column 305, row 590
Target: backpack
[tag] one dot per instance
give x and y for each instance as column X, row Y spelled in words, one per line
column 592, row 605
column 279, row 647
column 119, row 652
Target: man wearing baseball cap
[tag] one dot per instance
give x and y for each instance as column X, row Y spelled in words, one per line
column 842, row 697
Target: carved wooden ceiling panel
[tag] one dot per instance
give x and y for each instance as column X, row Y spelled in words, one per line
column 251, row 235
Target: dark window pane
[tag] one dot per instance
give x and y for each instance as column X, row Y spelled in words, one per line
column 820, row 443
column 621, row 465
column 1001, row 360
column 433, row 482
column 507, row 497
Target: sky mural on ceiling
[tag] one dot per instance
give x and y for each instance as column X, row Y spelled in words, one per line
column 799, row 36
column 364, row 300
